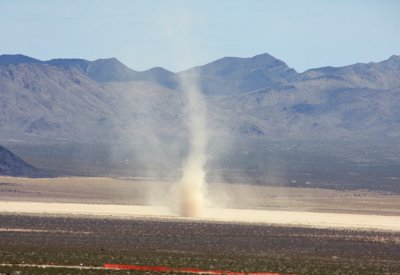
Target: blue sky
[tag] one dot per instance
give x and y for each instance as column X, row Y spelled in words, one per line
column 147, row 33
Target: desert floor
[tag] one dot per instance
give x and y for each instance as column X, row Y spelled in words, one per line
column 157, row 193
column 92, row 221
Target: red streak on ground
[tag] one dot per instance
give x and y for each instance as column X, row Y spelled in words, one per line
column 187, row 270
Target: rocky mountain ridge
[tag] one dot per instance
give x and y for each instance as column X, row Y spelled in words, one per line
column 258, row 97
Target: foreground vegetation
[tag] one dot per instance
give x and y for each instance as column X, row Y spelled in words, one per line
column 219, row 246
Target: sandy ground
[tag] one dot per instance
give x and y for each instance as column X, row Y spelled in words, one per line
column 150, row 191
column 131, row 198
column 276, row 217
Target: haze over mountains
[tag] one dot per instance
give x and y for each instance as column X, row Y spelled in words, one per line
column 63, row 100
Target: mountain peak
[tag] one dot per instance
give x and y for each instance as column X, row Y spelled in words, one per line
column 80, row 64
column 393, row 62
column 111, row 60
column 263, row 57
column 6, row 59
column 110, row 69
column 231, row 75
column 394, row 58
column 267, row 61
column 157, row 69
column 110, row 63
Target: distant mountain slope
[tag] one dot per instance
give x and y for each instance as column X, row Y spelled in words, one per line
column 259, row 97
column 101, row 70
column 48, row 101
column 145, row 109
column 293, row 113
column 382, row 75
column 80, row 64
column 44, row 101
column 233, row 75
column 160, row 76
column 11, row 165
column 112, row 70
column 6, row 59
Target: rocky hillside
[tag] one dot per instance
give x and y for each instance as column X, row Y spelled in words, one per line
column 233, row 75
column 11, row 165
column 259, row 97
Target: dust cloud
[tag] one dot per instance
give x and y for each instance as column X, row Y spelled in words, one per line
column 192, row 186
column 188, row 195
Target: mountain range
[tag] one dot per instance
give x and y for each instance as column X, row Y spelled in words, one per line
column 76, row 100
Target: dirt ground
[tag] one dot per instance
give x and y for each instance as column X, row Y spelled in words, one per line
column 206, row 245
column 230, row 215
column 148, row 191
column 225, row 241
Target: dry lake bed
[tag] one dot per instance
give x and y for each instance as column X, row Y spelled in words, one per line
column 89, row 222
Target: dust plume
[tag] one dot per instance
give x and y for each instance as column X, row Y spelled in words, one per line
column 187, row 196
column 192, row 186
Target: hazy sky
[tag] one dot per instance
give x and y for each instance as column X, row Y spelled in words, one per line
column 143, row 34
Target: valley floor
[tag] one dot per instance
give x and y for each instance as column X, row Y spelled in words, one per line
column 144, row 191
column 92, row 242
column 94, row 221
